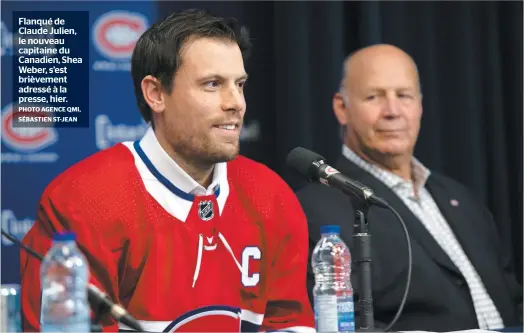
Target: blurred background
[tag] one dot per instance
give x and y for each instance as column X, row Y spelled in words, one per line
column 469, row 56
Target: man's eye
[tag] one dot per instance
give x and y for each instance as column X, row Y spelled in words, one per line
column 212, row 84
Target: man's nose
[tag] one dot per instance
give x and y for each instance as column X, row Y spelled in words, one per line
column 391, row 105
column 233, row 99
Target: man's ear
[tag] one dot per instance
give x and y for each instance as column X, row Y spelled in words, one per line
column 339, row 108
column 153, row 93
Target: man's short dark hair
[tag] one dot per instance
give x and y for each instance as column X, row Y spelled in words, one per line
column 158, row 51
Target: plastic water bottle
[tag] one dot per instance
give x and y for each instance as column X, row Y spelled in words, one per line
column 333, row 293
column 64, row 274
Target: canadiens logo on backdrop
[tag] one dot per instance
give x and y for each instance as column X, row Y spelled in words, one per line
column 26, row 144
column 115, row 34
column 108, row 134
column 205, row 210
column 14, row 226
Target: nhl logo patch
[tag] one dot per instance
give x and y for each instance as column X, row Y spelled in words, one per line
column 205, row 210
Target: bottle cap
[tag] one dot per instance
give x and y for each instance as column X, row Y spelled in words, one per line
column 64, row 236
column 330, row 229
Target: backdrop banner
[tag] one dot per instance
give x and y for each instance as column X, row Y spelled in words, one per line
column 33, row 156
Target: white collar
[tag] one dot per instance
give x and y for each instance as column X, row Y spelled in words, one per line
column 174, row 173
column 420, row 173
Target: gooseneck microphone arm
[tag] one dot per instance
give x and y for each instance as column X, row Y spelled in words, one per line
column 312, row 166
column 362, row 258
column 99, row 301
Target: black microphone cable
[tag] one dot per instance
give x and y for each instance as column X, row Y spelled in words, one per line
column 410, row 263
column 312, row 166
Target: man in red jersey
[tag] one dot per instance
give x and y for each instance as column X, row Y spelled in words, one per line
column 184, row 233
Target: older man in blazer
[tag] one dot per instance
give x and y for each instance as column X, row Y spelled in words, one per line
column 461, row 274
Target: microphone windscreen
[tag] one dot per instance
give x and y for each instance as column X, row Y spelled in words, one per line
column 301, row 160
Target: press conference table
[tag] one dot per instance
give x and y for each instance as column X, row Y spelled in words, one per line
column 507, row 329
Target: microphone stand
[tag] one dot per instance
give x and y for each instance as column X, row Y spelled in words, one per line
column 97, row 314
column 362, row 258
column 97, row 306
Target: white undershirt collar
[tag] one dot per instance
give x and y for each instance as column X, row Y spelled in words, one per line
column 174, row 173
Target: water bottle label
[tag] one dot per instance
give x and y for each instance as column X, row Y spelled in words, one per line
column 346, row 314
column 334, row 314
column 82, row 327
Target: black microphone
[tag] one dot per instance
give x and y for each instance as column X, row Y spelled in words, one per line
column 98, row 299
column 312, row 166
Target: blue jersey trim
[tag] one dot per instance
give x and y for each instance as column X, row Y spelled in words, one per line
column 170, row 186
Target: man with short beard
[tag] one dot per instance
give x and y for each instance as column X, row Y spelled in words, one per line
column 177, row 227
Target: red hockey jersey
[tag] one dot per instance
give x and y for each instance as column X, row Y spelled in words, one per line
column 178, row 257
